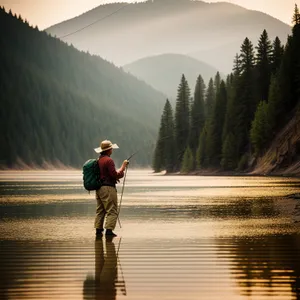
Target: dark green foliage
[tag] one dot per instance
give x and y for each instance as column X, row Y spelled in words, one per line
column 57, row 103
column 260, row 129
column 197, row 114
column 229, row 153
column 209, row 98
column 243, row 115
column 296, row 16
column 200, row 155
column 165, row 152
column 215, row 127
column 275, row 105
column 237, row 69
column 243, row 163
column 263, row 66
column 157, row 163
column 243, row 104
column 182, row 119
column 285, row 86
column 231, row 98
column 217, row 81
column 277, row 54
column 188, row 161
column 247, row 57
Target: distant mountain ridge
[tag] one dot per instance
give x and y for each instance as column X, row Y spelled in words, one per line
column 156, row 27
column 164, row 72
column 57, row 103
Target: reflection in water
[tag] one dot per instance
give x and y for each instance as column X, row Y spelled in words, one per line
column 105, row 282
column 198, row 238
column 268, row 266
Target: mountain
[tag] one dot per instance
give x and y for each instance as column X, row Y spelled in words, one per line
column 58, row 103
column 164, row 71
column 123, row 33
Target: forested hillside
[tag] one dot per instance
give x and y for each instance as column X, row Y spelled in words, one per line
column 210, row 32
column 230, row 124
column 163, row 71
column 58, row 103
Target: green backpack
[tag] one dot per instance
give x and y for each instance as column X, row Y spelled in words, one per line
column 91, row 175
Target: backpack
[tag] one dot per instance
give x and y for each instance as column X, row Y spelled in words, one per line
column 91, row 175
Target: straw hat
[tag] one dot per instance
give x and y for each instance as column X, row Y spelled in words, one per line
column 106, row 145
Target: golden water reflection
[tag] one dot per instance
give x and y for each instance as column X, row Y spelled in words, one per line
column 228, row 268
column 183, row 237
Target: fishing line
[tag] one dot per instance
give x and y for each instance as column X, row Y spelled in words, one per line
column 161, row 139
column 122, row 196
column 122, row 192
column 98, row 20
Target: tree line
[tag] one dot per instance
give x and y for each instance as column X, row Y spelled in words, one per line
column 58, row 103
column 223, row 125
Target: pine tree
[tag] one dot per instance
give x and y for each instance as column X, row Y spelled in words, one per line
column 217, row 81
column 169, row 139
column 276, row 56
column 158, row 159
column 209, row 98
column 288, row 77
column 263, row 66
column 157, row 163
column 229, row 153
column 295, row 61
column 296, row 16
column 215, row 127
column 275, row 105
column 260, row 128
column 182, row 119
column 201, row 150
column 164, row 155
column 197, row 114
column 243, row 105
column 230, row 115
column 247, row 56
column 188, row 161
column 237, row 69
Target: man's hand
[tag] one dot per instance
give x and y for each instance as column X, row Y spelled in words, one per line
column 125, row 164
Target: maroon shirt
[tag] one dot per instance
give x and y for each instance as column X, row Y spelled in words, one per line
column 108, row 173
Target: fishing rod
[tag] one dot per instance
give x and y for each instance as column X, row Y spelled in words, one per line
column 162, row 138
column 124, row 186
column 96, row 21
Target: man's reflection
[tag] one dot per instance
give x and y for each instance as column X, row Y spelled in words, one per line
column 105, row 282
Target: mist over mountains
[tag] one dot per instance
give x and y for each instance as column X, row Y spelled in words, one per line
column 58, row 103
column 164, row 71
column 210, row 32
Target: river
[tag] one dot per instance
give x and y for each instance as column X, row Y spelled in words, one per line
column 182, row 237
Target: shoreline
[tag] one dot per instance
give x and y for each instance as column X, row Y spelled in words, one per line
column 235, row 174
column 216, row 173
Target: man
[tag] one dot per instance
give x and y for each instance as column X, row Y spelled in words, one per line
column 106, row 196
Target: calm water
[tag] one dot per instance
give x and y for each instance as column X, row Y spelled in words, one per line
column 182, row 237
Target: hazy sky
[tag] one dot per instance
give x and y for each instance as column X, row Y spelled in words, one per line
column 45, row 13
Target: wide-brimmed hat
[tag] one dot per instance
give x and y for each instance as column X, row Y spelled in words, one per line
column 106, row 145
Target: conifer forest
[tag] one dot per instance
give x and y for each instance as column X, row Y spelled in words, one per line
column 233, row 120
column 58, row 103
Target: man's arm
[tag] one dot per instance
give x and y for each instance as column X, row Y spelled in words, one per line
column 117, row 174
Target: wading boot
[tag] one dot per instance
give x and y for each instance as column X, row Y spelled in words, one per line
column 109, row 233
column 99, row 232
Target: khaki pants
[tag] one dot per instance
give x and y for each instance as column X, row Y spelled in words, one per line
column 107, row 205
